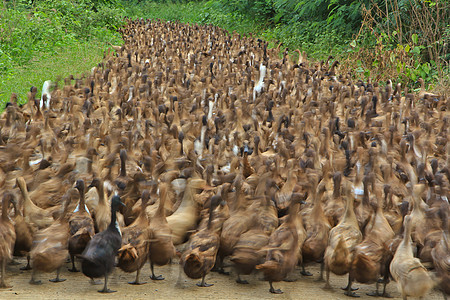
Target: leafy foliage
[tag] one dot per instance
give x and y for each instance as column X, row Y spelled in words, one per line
column 31, row 30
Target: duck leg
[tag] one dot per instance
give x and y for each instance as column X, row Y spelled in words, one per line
column 322, row 266
column 385, row 281
column 274, row 291
column 304, row 272
column 28, row 266
column 33, row 278
column 376, row 293
column 239, row 280
column 203, row 283
column 57, row 279
column 3, row 283
column 105, row 287
column 136, row 281
column 349, row 291
column 218, row 266
column 74, row 269
column 385, row 294
column 154, row 277
column 327, row 283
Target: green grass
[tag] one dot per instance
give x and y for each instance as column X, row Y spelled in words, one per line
column 75, row 59
column 49, row 39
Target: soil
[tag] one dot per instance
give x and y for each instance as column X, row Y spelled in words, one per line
column 77, row 286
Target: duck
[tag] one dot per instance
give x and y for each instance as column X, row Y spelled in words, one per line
column 200, row 255
column 238, row 223
column 24, row 235
column 372, row 258
column 102, row 212
column 343, row 238
column 185, row 218
column 247, row 252
column 98, row 258
column 317, row 229
column 441, row 256
column 81, row 226
column 413, row 279
column 424, row 94
column 8, row 236
column 33, row 214
column 50, row 246
column 282, row 250
column 135, row 243
column 161, row 248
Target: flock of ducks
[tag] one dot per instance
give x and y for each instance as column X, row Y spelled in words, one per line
column 206, row 145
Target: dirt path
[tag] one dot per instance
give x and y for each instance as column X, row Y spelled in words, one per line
column 78, row 286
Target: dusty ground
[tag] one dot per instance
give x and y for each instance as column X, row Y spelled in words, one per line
column 77, row 286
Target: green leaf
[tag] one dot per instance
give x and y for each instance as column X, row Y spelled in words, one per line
column 407, row 48
column 426, row 68
column 415, row 38
column 392, row 57
column 353, row 44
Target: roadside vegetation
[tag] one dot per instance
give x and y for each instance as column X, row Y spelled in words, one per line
column 400, row 40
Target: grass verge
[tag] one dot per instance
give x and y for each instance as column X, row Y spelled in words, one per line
column 75, row 59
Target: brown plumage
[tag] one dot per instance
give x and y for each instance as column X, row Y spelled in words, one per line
column 246, row 253
column 441, row 256
column 135, row 242
column 372, row 258
column 50, row 247
column 282, row 249
column 102, row 213
column 238, row 223
column 161, row 249
column 7, row 236
column 199, row 257
column 412, row 277
column 81, row 227
column 32, row 213
column 317, row 230
column 342, row 241
column 24, row 235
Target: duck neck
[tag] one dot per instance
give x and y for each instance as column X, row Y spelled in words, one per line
column 211, row 215
column 25, row 195
column 256, row 148
column 101, row 193
column 82, row 199
column 238, row 201
column 293, row 212
column 16, row 209
column 112, row 224
column 123, row 169
column 407, row 234
column 336, row 191
column 317, row 207
column 349, row 214
column 160, row 212
column 5, row 205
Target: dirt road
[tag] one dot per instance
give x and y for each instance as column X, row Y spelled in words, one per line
column 77, row 286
